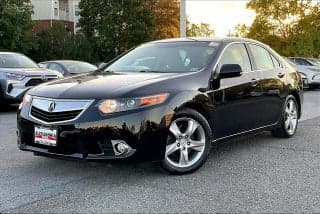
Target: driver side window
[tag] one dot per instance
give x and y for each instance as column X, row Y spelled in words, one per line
column 56, row 67
column 236, row 54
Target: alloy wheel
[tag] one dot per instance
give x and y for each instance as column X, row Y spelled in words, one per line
column 291, row 116
column 186, row 142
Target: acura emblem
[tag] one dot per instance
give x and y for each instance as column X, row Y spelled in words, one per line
column 44, row 77
column 52, row 106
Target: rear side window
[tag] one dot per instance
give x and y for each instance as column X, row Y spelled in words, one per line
column 302, row 62
column 262, row 57
column 236, row 54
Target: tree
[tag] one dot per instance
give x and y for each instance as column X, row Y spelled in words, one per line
column 58, row 43
column 167, row 18
column 16, row 26
column 116, row 26
column 202, row 29
column 289, row 26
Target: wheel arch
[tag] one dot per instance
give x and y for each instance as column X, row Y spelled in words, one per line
column 204, row 111
column 298, row 98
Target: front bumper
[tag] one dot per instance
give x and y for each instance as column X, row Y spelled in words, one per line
column 313, row 79
column 145, row 131
column 14, row 90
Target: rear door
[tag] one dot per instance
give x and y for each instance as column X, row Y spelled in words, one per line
column 271, row 76
column 235, row 101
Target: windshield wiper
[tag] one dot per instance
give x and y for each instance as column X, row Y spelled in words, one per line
column 151, row 71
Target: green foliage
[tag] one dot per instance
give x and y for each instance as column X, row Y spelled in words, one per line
column 167, row 18
column 16, row 26
column 58, row 43
column 291, row 27
column 202, row 29
column 116, row 26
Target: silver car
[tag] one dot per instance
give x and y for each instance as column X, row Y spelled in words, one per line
column 309, row 70
column 18, row 73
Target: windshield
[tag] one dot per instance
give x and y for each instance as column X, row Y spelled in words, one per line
column 16, row 61
column 179, row 57
column 78, row 67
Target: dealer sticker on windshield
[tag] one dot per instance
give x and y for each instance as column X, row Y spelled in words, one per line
column 45, row 136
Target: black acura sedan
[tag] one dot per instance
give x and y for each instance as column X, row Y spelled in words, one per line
column 168, row 101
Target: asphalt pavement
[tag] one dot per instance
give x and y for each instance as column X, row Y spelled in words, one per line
column 250, row 174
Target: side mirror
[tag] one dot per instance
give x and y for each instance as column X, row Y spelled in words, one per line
column 230, row 70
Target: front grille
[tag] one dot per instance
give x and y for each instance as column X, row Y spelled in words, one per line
column 35, row 82
column 51, row 117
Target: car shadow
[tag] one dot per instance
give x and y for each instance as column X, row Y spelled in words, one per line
column 137, row 169
column 8, row 108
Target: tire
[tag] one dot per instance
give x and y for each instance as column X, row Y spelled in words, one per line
column 289, row 121
column 311, row 87
column 2, row 103
column 188, row 143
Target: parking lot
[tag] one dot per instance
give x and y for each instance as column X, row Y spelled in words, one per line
column 251, row 174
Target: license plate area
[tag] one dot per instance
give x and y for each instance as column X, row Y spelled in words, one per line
column 45, row 136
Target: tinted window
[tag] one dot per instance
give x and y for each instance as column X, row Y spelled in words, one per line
column 261, row 57
column 16, row 61
column 166, row 57
column 236, row 54
column 299, row 61
column 75, row 67
column 56, row 67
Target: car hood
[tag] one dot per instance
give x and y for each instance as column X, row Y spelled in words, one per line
column 97, row 85
column 30, row 71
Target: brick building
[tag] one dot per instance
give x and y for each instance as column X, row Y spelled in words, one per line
column 47, row 12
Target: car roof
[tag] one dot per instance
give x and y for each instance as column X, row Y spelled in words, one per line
column 2, row 52
column 62, row 61
column 207, row 39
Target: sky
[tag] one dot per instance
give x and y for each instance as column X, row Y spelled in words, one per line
column 222, row 15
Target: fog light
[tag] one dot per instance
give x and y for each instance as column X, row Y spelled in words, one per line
column 120, row 147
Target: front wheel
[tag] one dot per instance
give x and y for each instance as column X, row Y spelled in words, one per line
column 289, row 119
column 188, row 143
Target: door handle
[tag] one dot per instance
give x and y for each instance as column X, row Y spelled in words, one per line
column 281, row 74
column 254, row 82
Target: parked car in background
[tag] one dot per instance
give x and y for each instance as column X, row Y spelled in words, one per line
column 169, row 101
column 314, row 61
column 69, row 67
column 309, row 70
column 303, row 76
column 18, row 73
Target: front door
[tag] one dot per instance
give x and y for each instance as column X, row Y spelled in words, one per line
column 235, row 107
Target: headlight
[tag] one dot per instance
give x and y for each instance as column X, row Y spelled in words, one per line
column 111, row 106
column 316, row 77
column 15, row 76
column 26, row 99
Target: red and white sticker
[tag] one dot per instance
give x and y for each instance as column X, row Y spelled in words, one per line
column 45, row 136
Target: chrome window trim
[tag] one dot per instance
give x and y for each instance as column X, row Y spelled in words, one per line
column 242, row 42
column 224, row 49
column 89, row 103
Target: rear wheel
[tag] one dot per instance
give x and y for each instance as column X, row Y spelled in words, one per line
column 2, row 103
column 188, row 143
column 289, row 120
